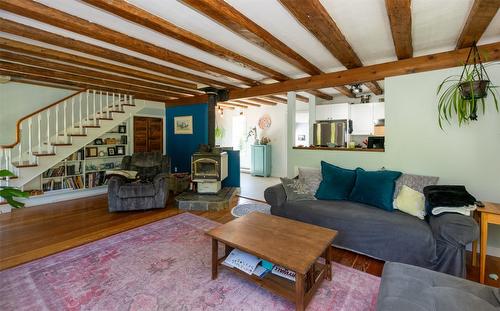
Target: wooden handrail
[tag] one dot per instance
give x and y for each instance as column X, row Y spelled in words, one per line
column 18, row 123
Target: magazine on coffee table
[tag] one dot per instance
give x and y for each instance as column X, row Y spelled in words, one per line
column 242, row 261
column 285, row 273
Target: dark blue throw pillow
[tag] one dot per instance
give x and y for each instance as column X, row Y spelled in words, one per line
column 337, row 182
column 375, row 188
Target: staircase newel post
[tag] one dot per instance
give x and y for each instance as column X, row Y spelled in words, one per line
column 57, row 123
column 93, row 103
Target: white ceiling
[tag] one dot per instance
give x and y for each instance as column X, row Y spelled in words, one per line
column 436, row 25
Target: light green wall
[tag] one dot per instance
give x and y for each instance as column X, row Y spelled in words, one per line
column 415, row 143
column 20, row 99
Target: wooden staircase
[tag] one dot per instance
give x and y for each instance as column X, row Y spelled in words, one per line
column 49, row 135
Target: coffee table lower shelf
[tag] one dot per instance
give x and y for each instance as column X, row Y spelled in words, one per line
column 300, row 292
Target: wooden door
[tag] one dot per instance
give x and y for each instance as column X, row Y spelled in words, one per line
column 148, row 134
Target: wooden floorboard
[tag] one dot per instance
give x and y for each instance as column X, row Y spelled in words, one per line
column 32, row 233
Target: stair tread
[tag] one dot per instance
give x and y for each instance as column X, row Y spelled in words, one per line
column 43, row 154
column 12, row 177
column 83, row 135
column 88, row 126
column 117, row 111
column 61, row 144
column 24, row 164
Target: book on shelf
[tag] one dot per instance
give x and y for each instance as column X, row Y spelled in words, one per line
column 75, row 182
column 95, row 179
column 54, row 172
column 52, row 185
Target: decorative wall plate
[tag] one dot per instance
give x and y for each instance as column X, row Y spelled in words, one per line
column 265, row 122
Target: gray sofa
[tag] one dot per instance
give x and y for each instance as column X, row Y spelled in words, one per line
column 437, row 244
column 411, row 288
column 152, row 192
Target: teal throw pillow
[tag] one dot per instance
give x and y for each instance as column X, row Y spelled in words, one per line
column 375, row 188
column 337, row 182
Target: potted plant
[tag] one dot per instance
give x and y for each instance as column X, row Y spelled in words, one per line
column 10, row 193
column 461, row 95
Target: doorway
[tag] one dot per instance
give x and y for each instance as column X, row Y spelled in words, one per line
column 148, row 134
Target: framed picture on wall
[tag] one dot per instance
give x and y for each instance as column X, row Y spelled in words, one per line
column 183, row 125
column 120, row 150
column 111, row 151
column 122, row 129
column 91, row 152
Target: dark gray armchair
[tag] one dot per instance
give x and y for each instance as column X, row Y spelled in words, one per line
column 151, row 191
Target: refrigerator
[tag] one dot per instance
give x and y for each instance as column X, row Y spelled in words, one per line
column 330, row 133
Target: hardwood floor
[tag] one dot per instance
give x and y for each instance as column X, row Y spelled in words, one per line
column 31, row 233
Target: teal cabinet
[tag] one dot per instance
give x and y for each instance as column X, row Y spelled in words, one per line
column 261, row 160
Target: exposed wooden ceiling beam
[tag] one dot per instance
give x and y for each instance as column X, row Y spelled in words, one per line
column 28, row 60
column 47, row 53
column 276, row 99
column 480, row 16
column 399, row 12
column 29, row 78
column 51, row 16
column 44, row 72
column 316, row 19
column 140, row 16
column 225, row 107
column 231, row 18
column 261, row 101
column 374, row 87
column 245, row 102
column 360, row 75
column 76, row 45
column 43, row 83
column 228, row 103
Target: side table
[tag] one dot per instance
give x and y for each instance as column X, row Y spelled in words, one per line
column 489, row 214
column 179, row 182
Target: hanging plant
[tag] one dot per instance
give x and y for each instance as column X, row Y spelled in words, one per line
column 461, row 95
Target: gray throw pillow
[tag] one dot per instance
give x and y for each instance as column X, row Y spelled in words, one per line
column 416, row 182
column 295, row 190
column 311, row 178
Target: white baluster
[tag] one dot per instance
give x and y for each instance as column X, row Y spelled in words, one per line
column 107, row 105
column 20, row 155
column 30, row 150
column 101, row 111
column 49, row 147
column 80, row 115
column 40, row 133
column 87, row 103
column 57, row 123
column 65, row 129
column 95, row 114
column 120, row 102
column 9, row 160
column 72, row 114
column 131, row 99
column 113, row 101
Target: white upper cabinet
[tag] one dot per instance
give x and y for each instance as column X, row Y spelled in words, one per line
column 362, row 119
column 332, row 112
column 378, row 111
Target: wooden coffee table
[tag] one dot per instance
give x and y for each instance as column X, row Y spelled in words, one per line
column 294, row 245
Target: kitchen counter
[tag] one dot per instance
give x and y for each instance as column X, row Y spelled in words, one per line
column 340, row 149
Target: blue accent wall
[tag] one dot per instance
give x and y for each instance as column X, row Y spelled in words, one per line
column 181, row 147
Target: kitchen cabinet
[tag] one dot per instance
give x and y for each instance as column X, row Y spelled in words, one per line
column 378, row 111
column 332, row 112
column 362, row 119
column 261, row 160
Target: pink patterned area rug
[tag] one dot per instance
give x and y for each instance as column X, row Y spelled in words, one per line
column 161, row 266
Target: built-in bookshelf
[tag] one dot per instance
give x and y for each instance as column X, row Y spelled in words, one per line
column 85, row 169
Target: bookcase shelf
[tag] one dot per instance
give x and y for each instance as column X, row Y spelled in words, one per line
column 79, row 172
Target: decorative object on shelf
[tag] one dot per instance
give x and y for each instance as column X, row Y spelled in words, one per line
column 98, row 141
column 183, row 125
column 301, row 137
column 9, row 194
column 91, row 152
column 102, row 153
column 122, row 129
column 111, row 151
column 120, row 150
column 110, row 141
column 265, row 122
column 265, row 140
column 461, row 95
column 123, row 139
column 253, row 132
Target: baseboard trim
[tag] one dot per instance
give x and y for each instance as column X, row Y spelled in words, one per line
column 64, row 196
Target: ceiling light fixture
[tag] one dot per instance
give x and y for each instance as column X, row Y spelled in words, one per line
column 356, row 89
